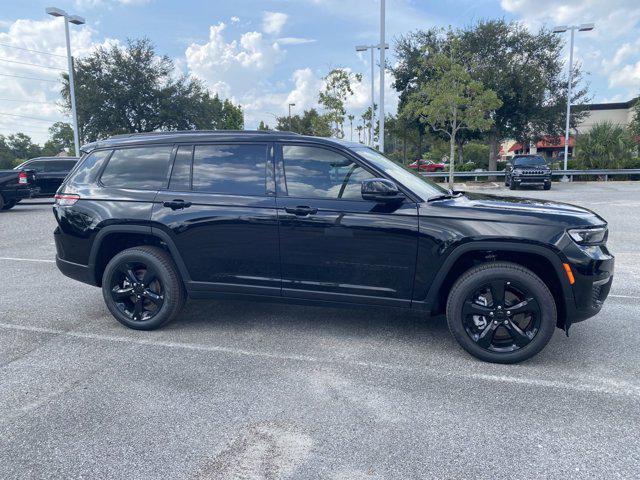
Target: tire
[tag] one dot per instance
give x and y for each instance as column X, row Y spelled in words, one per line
column 535, row 323
column 547, row 186
column 8, row 205
column 130, row 301
column 512, row 186
column 506, row 181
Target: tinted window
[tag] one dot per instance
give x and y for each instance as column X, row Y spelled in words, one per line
column 181, row 173
column 88, row 169
column 528, row 161
column 320, row 173
column 37, row 166
column 59, row 166
column 233, row 169
column 144, row 167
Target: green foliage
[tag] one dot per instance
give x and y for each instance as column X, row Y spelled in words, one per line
column 607, row 145
column 338, row 87
column 634, row 126
column 309, row 123
column 61, row 140
column 468, row 167
column 132, row 89
column 263, row 126
column 478, row 153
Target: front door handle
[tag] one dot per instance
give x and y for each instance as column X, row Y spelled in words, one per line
column 176, row 204
column 301, row 210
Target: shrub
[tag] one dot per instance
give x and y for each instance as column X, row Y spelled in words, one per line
column 607, row 145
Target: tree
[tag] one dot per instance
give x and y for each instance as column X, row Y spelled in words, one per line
column 606, row 145
column 309, row 123
column 132, row 89
column 338, row 87
column 351, row 117
column 22, row 147
column 524, row 68
column 451, row 101
column 61, row 140
column 263, row 126
column 7, row 158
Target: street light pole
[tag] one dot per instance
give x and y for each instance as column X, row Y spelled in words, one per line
column 585, row 27
column 290, row 105
column 382, row 64
column 76, row 20
column 363, row 48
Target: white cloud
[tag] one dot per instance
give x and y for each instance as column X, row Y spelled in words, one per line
column 232, row 68
column 37, row 98
column 235, row 19
column 294, row 40
column 272, row 22
column 627, row 76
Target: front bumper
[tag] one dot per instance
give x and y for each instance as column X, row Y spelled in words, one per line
column 533, row 180
column 593, row 269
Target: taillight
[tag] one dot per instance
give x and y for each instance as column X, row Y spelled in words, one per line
column 66, row 199
column 22, row 178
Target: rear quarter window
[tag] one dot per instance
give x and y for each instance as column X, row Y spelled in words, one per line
column 88, row 169
column 143, row 168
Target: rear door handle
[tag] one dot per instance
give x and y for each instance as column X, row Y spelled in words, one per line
column 301, row 210
column 176, row 204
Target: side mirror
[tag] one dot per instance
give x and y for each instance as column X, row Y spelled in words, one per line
column 381, row 190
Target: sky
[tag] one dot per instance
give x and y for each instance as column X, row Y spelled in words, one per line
column 265, row 54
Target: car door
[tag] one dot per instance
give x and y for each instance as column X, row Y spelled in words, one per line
column 219, row 210
column 333, row 244
column 40, row 177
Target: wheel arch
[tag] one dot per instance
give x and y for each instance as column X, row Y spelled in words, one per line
column 544, row 262
column 113, row 239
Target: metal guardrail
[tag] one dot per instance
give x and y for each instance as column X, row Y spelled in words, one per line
column 556, row 173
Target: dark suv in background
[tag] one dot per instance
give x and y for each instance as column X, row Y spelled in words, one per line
column 50, row 172
column 154, row 218
column 527, row 170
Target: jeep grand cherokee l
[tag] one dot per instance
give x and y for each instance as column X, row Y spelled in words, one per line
column 527, row 170
column 155, row 218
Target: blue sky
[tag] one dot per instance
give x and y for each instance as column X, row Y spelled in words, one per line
column 266, row 54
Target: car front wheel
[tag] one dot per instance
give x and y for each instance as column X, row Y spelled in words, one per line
column 501, row 312
column 142, row 288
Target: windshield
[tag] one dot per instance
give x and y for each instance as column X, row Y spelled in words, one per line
column 528, row 161
column 418, row 185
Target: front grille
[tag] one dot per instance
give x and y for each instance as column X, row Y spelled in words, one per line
column 533, row 172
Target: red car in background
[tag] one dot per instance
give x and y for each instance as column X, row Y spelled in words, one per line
column 427, row 166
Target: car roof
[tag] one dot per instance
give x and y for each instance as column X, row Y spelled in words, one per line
column 194, row 136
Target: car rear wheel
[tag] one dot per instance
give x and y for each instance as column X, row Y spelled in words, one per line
column 501, row 312
column 6, row 205
column 142, row 288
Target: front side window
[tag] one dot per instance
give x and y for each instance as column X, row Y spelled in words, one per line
column 314, row 172
column 143, row 168
column 230, row 169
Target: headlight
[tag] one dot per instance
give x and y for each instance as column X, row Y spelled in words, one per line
column 588, row 236
column 516, row 172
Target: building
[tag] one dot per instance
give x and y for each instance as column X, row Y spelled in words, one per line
column 620, row 113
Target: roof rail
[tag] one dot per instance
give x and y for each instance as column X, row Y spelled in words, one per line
column 191, row 132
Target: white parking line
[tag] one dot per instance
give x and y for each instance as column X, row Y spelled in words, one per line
column 635, row 297
column 28, row 259
column 586, row 384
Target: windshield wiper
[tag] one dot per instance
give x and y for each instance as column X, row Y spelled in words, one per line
column 444, row 196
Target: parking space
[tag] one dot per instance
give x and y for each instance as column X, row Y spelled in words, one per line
column 243, row 390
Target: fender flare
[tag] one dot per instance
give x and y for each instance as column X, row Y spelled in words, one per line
column 139, row 229
column 554, row 258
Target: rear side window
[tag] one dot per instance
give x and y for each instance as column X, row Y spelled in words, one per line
column 59, row 166
column 37, row 166
column 143, row 168
column 89, row 168
column 231, row 169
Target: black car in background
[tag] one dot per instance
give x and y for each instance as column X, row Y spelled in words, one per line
column 527, row 170
column 50, row 172
column 274, row 216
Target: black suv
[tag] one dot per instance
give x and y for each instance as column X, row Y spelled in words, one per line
column 524, row 170
column 50, row 172
column 154, row 218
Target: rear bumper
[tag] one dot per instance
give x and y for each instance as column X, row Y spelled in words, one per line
column 19, row 193
column 81, row 273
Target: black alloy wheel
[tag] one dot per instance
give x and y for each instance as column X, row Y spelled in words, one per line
column 501, row 312
column 142, row 288
column 501, row 316
column 137, row 291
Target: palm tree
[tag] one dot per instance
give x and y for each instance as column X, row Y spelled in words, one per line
column 359, row 129
column 351, row 117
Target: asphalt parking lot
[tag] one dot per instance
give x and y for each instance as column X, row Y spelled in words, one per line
column 235, row 390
